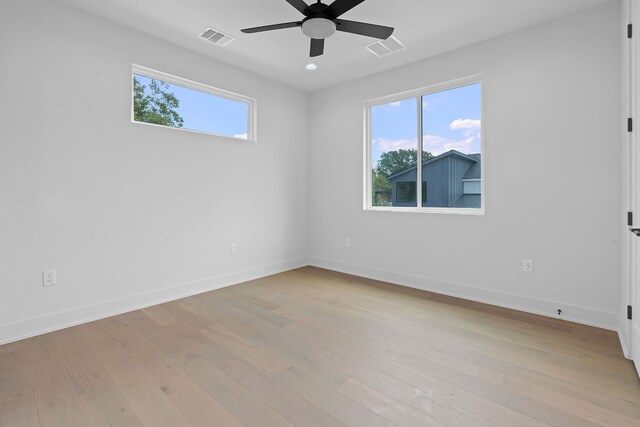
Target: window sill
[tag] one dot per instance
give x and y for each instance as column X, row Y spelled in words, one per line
column 199, row 132
column 443, row 211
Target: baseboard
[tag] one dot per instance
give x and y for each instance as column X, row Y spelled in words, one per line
column 570, row 312
column 39, row 325
column 625, row 348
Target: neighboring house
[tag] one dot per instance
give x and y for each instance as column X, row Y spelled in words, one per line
column 450, row 180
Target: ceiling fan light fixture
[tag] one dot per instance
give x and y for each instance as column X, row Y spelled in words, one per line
column 321, row 21
column 318, row 28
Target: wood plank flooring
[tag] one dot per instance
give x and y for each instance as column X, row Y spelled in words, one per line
column 312, row 347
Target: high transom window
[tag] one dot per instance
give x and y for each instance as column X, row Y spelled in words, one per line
column 164, row 100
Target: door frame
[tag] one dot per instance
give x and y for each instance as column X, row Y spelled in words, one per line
column 630, row 330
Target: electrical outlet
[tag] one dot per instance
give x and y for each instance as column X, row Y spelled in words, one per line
column 527, row 266
column 48, row 278
column 233, row 248
column 347, row 242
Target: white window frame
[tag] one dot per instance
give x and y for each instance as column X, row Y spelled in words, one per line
column 200, row 87
column 418, row 94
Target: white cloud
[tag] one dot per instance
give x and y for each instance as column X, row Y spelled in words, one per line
column 385, row 145
column 465, row 124
column 241, row 136
column 395, row 104
column 434, row 144
column 437, row 145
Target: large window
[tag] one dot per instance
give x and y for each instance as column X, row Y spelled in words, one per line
column 439, row 128
column 164, row 100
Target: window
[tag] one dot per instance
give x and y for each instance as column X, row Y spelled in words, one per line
column 439, row 128
column 164, row 100
column 406, row 191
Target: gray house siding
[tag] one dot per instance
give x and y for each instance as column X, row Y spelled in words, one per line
column 457, row 169
column 444, row 181
column 444, row 177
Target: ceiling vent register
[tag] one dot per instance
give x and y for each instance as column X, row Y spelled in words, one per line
column 216, row 37
column 386, row 47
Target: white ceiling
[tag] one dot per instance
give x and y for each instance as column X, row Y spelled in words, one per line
column 426, row 27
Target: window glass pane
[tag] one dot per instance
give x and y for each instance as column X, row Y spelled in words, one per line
column 167, row 104
column 394, row 147
column 406, row 191
column 451, row 136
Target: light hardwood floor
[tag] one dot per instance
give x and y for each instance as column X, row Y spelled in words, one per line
column 312, row 347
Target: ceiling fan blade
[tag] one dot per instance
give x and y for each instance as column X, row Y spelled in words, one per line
column 364, row 29
column 299, row 4
column 272, row 27
column 317, row 47
column 339, row 7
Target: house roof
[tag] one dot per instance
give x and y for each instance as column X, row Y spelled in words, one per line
column 474, row 158
column 474, row 171
column 468, row 201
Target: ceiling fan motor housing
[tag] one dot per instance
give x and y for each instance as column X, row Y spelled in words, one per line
column 318, row 28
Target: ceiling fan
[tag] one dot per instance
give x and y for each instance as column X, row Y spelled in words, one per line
column 321, row 21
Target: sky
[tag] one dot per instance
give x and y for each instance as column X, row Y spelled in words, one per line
column 208, row 113
column 451, row 121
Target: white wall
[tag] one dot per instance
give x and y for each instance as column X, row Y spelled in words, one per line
column 552, row 122
column 130, row 215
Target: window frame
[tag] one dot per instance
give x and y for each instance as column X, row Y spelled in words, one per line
column 204, row 88
column 418, row 94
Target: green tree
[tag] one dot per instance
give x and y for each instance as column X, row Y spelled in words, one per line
column 393, row 162
column 389, row 164
column 381, row 188
column 157, row 105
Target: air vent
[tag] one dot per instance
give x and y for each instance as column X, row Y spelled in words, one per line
column 216, row 37
column 385, row 47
